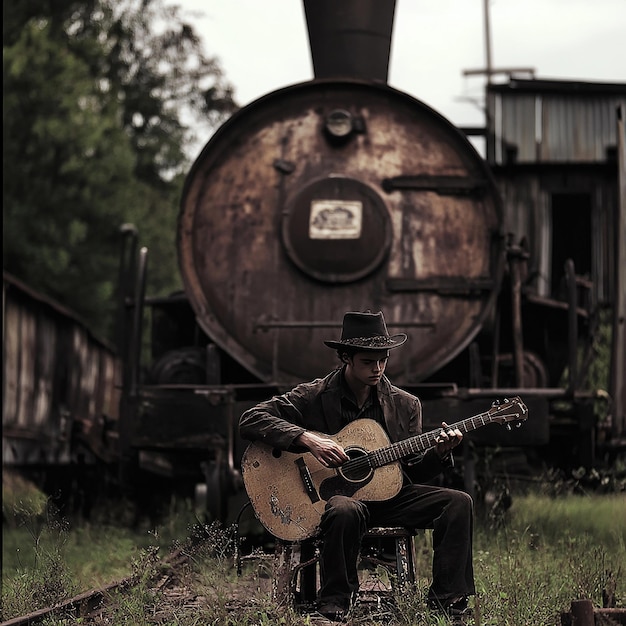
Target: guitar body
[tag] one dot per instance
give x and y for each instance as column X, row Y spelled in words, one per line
column 289, row 491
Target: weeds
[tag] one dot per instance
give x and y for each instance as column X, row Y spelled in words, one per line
column 212, row 541
column 42, row 578
column 542, row 554
column 133, row 607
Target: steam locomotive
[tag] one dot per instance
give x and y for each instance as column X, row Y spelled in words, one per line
column 343, row 193
column 339, row 194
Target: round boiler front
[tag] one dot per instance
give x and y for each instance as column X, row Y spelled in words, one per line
column 332, row 196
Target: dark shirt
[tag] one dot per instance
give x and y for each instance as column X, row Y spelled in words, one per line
column 350, row 410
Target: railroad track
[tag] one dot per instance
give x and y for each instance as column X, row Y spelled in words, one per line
column 173, row 585
column 170, row 581
column 83, row 605
column 91, row 605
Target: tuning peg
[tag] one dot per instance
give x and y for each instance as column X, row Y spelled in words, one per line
column 508, row 426
column 518, row 425
column 495, row 403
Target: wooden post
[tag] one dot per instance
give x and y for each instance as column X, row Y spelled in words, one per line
column 582, row 613
column 618, row 353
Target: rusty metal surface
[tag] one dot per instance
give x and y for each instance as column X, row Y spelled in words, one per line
column 269, row 284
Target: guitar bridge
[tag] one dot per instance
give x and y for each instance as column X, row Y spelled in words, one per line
column 307, row 480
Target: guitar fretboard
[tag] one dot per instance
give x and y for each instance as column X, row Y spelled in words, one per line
column 511, row 410
column 420, row 443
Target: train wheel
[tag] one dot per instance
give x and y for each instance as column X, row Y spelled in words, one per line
column 535, row 372
column 184, row 366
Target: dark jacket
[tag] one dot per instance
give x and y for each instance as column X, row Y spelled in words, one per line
column 316, row 406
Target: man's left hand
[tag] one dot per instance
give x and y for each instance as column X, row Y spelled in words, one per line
column 447, row 439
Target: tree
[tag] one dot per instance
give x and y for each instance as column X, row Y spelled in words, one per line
column 96, row 101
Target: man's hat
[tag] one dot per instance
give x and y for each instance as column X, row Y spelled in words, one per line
column 366, row 331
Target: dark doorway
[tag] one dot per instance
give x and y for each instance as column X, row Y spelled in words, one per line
column 571, row 236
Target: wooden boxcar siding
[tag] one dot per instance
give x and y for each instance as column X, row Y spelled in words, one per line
column 555, row 128
column 56, row 374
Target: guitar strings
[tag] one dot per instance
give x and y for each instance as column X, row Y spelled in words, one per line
column 394, row 452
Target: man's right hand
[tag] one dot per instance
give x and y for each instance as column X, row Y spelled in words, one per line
column 327, row 451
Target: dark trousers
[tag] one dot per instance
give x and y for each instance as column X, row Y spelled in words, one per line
column 447, row 511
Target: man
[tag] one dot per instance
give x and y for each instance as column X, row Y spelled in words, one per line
column 359, row 389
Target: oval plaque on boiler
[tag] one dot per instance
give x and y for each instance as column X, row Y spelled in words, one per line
column 337, row 230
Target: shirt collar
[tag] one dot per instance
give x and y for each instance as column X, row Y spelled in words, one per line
column 346, row 392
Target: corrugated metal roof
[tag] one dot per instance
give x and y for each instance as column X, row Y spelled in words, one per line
column 535, row 121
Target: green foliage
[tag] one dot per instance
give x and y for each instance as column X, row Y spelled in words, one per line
column 102, row 99
column 62, row 148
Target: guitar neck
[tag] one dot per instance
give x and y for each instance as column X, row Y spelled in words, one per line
column 420, row 443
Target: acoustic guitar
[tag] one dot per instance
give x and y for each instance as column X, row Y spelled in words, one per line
column 289, row 491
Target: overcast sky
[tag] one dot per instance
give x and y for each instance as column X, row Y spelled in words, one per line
column 263, row 45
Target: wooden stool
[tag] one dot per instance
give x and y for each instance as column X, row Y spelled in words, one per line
column 296, row 577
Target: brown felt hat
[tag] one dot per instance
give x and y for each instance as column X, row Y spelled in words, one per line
column 366, row 331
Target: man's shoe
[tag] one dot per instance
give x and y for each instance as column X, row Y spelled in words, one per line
column 455, row 607
column 458, row 607
column 332, row 612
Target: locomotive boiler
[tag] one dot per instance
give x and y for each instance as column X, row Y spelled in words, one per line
column 331, row 196
column 341, row 193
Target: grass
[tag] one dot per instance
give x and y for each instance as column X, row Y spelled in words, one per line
column 550, row 519
column 46, row 558
column 547, row 554
column 543, row 554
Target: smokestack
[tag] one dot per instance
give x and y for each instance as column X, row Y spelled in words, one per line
column 350, row 38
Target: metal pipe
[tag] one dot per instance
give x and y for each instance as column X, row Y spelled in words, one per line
column 540, row 392
column 572, row 323
column 617, row 387
column 126, row 274
column 316, row 324
column 350, row 38
column 487, row 42
column 516, row 257
column 137, row 326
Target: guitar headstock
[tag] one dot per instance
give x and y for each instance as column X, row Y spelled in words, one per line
column 507, row 411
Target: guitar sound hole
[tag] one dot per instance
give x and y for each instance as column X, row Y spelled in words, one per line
column 277, row 453
column 357, row 469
